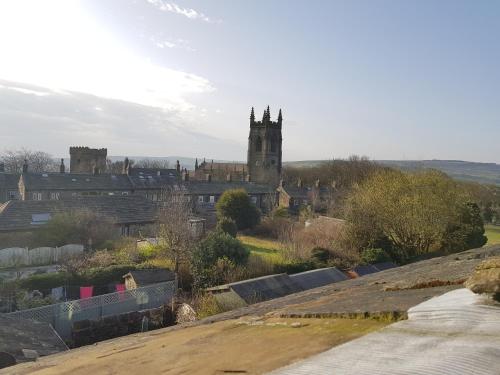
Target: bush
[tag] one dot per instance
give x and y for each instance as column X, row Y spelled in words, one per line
column 214, row 256
column 79, row 226
column 227, row 225
column 320, row 254
column 372, row 256
column 236, row 205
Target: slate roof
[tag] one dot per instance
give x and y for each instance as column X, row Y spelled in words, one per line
column 151, row 276
column 201, row 187
column 18, row 215
column 316, row 278
column 75, row 181
column 140, row 182
column 18, row 334
column 134, row 171
column 228, row 167
column 9, row 181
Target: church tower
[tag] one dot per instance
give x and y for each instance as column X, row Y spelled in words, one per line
column 264, row 149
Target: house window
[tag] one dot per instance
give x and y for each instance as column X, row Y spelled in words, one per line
column 253, row 199
column 37, row 196
column 12, row 194
column 200, row 198
column 54, row 196
column 212, row 199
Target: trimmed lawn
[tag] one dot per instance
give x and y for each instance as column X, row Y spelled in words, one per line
column 493, row 234
column 266, row 248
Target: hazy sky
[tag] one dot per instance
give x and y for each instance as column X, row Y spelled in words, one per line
column 387, row 79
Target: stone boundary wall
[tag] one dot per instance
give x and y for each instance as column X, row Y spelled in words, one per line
column 40, row 256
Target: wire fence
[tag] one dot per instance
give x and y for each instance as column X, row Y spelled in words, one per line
column 62, row 315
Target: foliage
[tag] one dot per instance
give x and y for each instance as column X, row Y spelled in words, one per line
column 320, row 254
column 77, row 226
column 205, row 305
column 214, row 256
column 468, row 232
column 493, row 234
column 376, row 255
column 236, row 205
column 227, row 225
column 406, row 214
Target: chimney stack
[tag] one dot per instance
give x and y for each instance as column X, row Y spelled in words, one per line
column 299, row 183
column 317, row 184
column 2, row 167
column 229, row 178
column 208, row 177
column 185, row 175
column 25, row 166
column 178, row 166
column 247, row 178
column 61, row 167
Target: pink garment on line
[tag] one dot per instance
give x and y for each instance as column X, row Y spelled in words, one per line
column 86, row 292
column 120, row 287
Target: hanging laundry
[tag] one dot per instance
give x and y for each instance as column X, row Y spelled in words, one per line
column 86, row 292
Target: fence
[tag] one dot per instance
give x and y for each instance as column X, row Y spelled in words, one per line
column 20, row 256
column 62, row 315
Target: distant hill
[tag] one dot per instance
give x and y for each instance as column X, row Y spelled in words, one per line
column 485, row 173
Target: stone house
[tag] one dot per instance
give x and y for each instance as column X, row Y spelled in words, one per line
column 294, row 197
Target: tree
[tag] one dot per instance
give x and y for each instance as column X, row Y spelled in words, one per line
column 411, row 213
column 174, row 234
column 38, row 161
column 468, row 232
column 236, row 205
column 227, row 225
column 78, row 226
column 152, row 163
column 211, row 258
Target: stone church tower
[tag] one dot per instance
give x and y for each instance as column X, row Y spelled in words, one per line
column 264, row 149
column 87, row 160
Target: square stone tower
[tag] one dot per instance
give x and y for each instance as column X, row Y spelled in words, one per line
column 264, row 149
column 87, row 160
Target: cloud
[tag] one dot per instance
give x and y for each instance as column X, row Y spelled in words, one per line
column 172, row 43
column 186, row 12
column 59, row 45
column 56, row 120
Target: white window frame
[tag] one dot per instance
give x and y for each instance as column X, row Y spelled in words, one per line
column 37, row 196
column 201, row 198
column 212, row 199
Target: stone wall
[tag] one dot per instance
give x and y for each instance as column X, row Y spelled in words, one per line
column 19, row 256
column 86, row 332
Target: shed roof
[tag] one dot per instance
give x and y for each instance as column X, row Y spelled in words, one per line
column 151, row 276
column 365, row 269
column 316, row 278
column 9, row 181
column 265, row 288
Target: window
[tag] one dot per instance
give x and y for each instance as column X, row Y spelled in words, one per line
column 200, row 199
column 124, row 192
column 253, row 199
column 37, row 196
column 212, row 199
column 274, row 143
column 258, row 144
column 12, row 194
column 54, row 196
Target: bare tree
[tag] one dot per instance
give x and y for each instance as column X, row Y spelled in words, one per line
column 175, row 235
column 152, row 163
column 114, row 167
column 38, row 161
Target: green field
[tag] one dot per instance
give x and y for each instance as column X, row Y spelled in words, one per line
column 266, row 248
column 493, row 234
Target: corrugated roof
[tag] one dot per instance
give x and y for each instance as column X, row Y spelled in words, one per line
column 265, row 288
column 316, row 278
column 384, row 266
column 365, row 269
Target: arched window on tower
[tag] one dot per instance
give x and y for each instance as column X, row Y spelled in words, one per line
column 274, row 144
column 258, row 144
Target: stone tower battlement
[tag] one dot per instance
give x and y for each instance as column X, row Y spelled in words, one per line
column 265, row 149
column 87, row 160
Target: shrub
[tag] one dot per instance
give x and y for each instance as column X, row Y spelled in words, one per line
column 372, row 256
column 213, row 256
column 236, row 205
column 227, row 225
column 320, row 254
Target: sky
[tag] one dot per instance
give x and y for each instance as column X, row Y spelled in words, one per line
column 385, row 79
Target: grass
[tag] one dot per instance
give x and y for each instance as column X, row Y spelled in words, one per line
column 268, row 249
column 493, row 234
